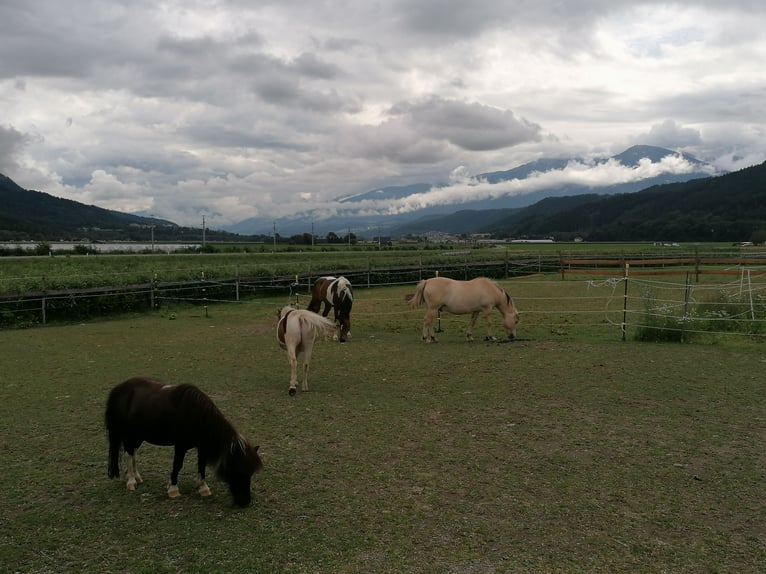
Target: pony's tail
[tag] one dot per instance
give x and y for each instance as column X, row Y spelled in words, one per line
column 114, row 458
column 318, row 323
column 417, row 299
column 114, row 442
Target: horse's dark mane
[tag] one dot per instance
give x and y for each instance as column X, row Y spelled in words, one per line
column 221, row 433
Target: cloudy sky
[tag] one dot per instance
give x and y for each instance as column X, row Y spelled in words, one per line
column 234, row 108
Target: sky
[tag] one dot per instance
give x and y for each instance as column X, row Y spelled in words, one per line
column 232, row 109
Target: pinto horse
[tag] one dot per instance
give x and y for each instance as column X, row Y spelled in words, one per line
column 184, row 417
column 335, row 293
column 296, row 331
column 480, row 295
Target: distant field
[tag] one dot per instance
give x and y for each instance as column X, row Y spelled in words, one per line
column 21, row 274
column 567, row 451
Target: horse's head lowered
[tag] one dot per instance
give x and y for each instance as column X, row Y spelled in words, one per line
column 510, row 316
column 237, row 468
column 342, row 295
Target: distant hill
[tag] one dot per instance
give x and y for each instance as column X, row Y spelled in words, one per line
column 416, row 222
column 27, row 215
column 730, row 207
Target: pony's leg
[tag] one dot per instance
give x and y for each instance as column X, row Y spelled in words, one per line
column 202, row 488
column 327, row 307
column 488, row 319
column 471, row 324
column 336, row 336
column 136, row 475
column 291, row 356
column 307, row 350
column 131, row 476
column 178, row 462
column 428, row 326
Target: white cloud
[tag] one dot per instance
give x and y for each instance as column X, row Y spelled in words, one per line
column 240, row 109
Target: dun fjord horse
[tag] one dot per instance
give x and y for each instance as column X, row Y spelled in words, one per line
column 336, row 293
column 296, row 331
column 480, row 295
column 182, row 416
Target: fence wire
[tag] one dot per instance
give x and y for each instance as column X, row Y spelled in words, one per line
column 546, row 303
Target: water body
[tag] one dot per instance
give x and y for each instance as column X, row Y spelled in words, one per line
column 106, row 247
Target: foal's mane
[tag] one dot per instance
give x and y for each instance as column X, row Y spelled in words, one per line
column 344, row 294
column 219, row 428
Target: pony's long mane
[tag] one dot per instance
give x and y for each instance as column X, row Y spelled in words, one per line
column 345, row 297
column 221, row 436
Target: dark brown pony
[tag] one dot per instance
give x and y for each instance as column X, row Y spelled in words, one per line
column 182, row 416
column 335, row 293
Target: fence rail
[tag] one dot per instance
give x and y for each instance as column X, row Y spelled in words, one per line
column 646, row 266
column 614, row 300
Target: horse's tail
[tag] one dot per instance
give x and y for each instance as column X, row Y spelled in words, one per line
column 115, row 441
column 418, row 298
column 317, row 323
column 114, row 457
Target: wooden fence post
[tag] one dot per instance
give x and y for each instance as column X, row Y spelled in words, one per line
column 625, row 305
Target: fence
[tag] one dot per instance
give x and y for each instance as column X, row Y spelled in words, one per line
column 577, row 303
column 696, row 265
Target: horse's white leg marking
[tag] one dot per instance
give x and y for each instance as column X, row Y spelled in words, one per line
column 173, row 491
column 202, row 487
column 130, row 474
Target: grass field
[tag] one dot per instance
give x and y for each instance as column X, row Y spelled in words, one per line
column 566, row 451
column 21, row 274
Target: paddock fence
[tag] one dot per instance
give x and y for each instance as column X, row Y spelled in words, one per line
column 612, row 297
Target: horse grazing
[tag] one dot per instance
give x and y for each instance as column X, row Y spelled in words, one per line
column 184, row 417
column 335, row 293
column 480, row 295
column 296, row 331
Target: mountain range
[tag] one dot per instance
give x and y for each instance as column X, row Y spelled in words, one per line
column 348, row 217
column 27, row 215
column 728, row 207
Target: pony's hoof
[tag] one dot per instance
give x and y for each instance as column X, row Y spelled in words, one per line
column 292, row 392
column 204, row 490
column 131, row 485
column 173, row 492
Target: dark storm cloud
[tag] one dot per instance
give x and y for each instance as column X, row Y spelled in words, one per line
column 470, row 126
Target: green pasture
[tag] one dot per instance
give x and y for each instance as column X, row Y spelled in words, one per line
column 68, row 271
column 565, row 451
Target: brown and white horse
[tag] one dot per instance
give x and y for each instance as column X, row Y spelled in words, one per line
column 296, row 331
column 480, row 295
column 335, row 293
